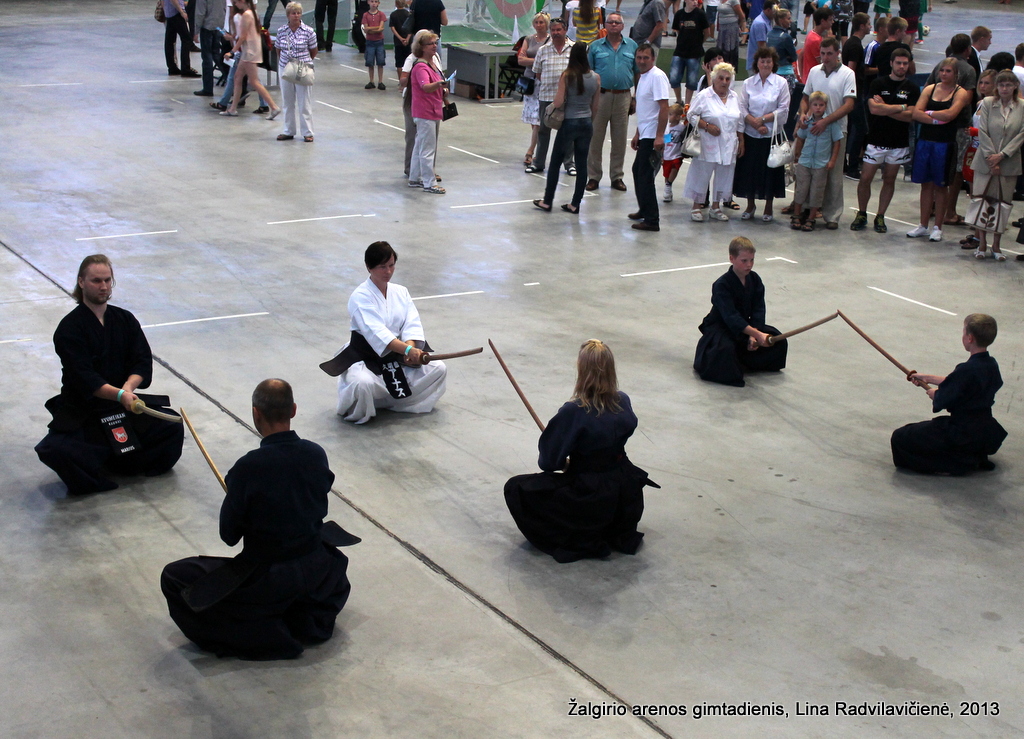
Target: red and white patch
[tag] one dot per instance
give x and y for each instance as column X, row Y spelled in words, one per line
column 120, row 434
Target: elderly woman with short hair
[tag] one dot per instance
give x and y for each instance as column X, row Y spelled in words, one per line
column 296, row 42
column 763, row 99
column 997, row 161
column 715, row 111
column 427, row 86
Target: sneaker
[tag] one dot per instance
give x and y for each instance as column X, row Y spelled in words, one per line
column 916, row 233
column 936, row 234
column 855, row 176
column 369, row 86
column 380, row 86
column 667, row 198
column 880, row 226
column 860, row 221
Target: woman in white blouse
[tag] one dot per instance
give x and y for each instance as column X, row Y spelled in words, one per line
column 716, row 112
column 763, row 99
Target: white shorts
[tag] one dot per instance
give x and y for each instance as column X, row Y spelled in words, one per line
column 878, row 155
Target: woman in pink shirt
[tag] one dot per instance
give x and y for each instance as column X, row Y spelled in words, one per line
column 428, row 88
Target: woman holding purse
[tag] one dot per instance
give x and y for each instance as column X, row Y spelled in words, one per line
column 296, row 42
column 427, row 87
column 997, row 161
column 764, row 104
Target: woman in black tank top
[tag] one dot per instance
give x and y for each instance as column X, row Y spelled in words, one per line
column 937, row 111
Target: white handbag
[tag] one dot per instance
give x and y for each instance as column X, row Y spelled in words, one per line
column 691, row 142
column 987, row 213
column 298, row 73
column 781, row 152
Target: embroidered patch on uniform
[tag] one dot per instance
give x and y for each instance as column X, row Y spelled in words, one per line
column 394, row 380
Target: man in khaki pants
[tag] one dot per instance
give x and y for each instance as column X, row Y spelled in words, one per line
column 612, row 57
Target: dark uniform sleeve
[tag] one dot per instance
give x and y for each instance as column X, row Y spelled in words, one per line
column 960, row 383
column 558, row 438
column 72, row 346
column 233, row 509
column 138, row 355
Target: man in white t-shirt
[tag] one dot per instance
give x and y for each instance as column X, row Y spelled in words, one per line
column 840, row 84
column 652, row 95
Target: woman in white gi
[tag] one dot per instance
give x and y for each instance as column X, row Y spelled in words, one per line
column 386, row 348
column 716, row 112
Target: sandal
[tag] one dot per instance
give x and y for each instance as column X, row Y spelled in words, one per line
column 568, row 208
column 958, row 221
column 284, row 137
column 718, row 215
column 731, row 204
column 696, row 215
column 767, row 218
column 542, row 205
column 795, row 223
column 747, row 215
column 787, row 211
column 808, row 225
column 434, row 189
column 999, row 256
column 308, row 139
column 979, row 254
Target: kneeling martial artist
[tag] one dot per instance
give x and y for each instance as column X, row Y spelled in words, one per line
column 289, row 583
column 735, row 335
column 960, row 442
column 105, row 359
column 381, row 366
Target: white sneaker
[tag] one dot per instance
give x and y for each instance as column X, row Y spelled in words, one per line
column 667, row 198
column 918, row 232
column 936, row 234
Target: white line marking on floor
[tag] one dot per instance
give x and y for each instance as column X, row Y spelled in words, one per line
column 675, row 269
column 389, row 125
column 143, row 82
column 474, row 155
column 910, row 300
column 495, row 105
column 484, row 205
column 334, row 106
column 321, row 218
column 354, row 69
column 202, row 320
column 448, row 295
column 783, row 259
column 121, row 236
column 1009, row 251
column 394, row 79
column 53, row 84
column 887, row 218
column 560, row 184
column 13, row 341
column 179, row 102
column 525, row 284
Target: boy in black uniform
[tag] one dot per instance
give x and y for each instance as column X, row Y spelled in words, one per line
column 105, row 359
column 735, row 336
column 960, row 442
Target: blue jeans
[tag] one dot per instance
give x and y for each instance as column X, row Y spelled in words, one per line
column 374, row 54
column 575, row 135
column 711, row 11
column 229, row 87
column 692, row 69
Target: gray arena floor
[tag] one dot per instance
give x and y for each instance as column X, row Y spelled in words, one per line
column 786, row 562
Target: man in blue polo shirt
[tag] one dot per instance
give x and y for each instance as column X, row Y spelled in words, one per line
column 759, row 29
column 613, row 58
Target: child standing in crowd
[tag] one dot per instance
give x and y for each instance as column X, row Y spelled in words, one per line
column 373, row 28
column 816, row 155
column 672, row 158
column 402, row 43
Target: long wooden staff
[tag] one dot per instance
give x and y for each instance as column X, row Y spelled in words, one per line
column 882, row 351
column 428, row 358
column 808, row 327
column 139, row 406
column 202, row 448
column 515, row 384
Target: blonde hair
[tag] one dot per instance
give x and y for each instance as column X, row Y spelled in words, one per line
column 818, row 95
column 724, row 68
column 90, row 260
column 293, row 6
column 596, row 385
column 542, row 15
column 740, row 243
column 423, row 36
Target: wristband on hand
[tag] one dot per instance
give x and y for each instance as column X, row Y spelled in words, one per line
column 408, row 349
column 119, row 394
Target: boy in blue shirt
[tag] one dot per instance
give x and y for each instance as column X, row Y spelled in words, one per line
column 815, row 156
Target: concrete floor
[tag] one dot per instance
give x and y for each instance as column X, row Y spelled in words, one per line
column 786, row 561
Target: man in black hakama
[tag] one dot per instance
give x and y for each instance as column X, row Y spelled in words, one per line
column 104, row 358
column 287, row 586
column 734, row 334
column 962, row 441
